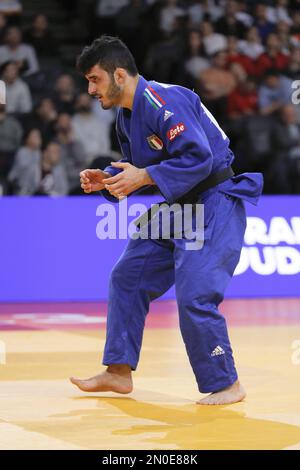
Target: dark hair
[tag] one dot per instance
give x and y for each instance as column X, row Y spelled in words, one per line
column 109, row 53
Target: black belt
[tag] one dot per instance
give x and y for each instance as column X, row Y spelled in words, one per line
column 191, row 197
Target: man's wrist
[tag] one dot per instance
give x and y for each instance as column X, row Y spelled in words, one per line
column 146, row 178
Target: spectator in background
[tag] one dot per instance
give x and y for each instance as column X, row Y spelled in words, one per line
column 243, row 100
column 251, row 46
column 273, row 58
column 286, row 151
column 106, row 119
column 284, row 36
column 12, row 9
column 53, row 178
column 10, row 139
column 40, row 38
column 295, row 28
column 3, row 23
column 261, row 22
column 105, row 14
column 72, row 151
column 229, row 25
column 216, row 83
column 64, row 96
column 89, row 131
column 169, row 15
column 18, row 96
column 234, row 56
column 25, row 173
column 196, row 13
column 293, row 68
column 279, row 12
column 195, row 63
column 129, row 27
column 212, row 42
column 274, row 92
column 23, row 54
column 164, row 59
column 43, row 118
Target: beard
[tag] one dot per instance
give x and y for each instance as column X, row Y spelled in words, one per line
column 113, row 95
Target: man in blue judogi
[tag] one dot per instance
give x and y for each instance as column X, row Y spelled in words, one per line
column 169, row 139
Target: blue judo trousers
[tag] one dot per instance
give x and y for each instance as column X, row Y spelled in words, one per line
column 172, row 134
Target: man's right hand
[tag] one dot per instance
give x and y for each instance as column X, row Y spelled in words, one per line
column 91, row 180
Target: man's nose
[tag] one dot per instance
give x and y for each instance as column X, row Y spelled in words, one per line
column 91, row 89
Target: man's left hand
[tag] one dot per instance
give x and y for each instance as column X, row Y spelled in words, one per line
column 127, row 181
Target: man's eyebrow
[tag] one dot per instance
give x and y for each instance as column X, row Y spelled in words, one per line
column 89, row 77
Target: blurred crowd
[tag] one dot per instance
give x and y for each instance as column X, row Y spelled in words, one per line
column 241, row 57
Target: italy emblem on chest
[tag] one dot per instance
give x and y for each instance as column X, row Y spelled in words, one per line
column 155, row 142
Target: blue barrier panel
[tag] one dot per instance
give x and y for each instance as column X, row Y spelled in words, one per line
column 51, row 250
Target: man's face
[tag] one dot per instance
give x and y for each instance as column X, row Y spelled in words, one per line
column 103, row 87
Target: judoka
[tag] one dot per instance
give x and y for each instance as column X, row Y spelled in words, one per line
column 168, row 138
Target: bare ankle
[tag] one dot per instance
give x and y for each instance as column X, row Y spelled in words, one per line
column 121, row 369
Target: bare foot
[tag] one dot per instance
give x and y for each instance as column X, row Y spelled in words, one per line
column 117, row 378
column 228, row 395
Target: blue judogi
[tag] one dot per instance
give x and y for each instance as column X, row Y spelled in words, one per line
column 174, row 136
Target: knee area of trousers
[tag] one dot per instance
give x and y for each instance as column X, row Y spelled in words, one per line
column 118, row 274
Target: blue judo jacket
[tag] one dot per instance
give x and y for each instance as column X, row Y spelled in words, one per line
column 172, row 134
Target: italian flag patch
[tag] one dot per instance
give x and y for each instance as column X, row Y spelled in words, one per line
column 155, row 142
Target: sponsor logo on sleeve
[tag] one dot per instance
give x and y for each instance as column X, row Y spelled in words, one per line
column 175, row 131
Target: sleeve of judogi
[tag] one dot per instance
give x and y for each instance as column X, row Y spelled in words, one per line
column 178, row 124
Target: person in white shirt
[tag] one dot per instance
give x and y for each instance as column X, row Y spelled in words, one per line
column 18, row 96
column 93, row 136
column 16, row 51
column 251, row 46
column 212, row 42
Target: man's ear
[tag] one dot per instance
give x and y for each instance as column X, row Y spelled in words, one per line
column 120, row 76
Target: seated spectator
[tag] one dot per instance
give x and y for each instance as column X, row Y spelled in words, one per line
column 16, row 51
column 3, row 24
column 274, row 92
column 284, row 36
column 25, row 173
column 88, row 130
column 64, row 95
column 229, row 25
column 273, row 58
column 164, row 59
column 286, row 151
column 295, row 28
column 169, row 15
column 216, row 81
column 10, row 7
column 196, row 12
column 212, row 42
column 251, row 46
column 235, row 57
column 40, row 37
column 279, row 12
column 243, row 100
column 18, row 96
column 129, row 27
column 43, row 118
column 10, row 139
column 105, row 14
column 195, row 63
column 261, row 22
column 53, row 178
column 72, row 151
column 293, row 68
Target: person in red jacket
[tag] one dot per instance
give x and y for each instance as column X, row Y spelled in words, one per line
column 273, row 58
